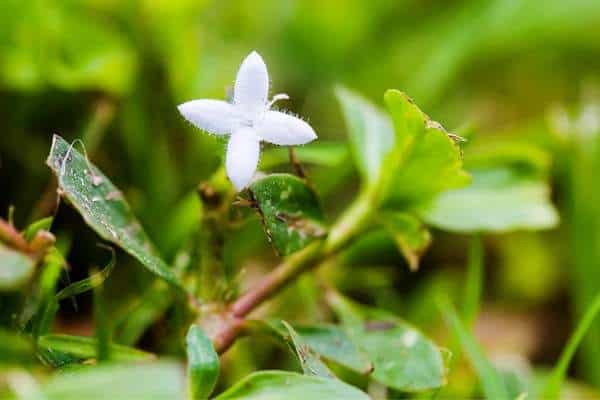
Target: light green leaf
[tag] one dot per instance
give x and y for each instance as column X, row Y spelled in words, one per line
column 103, row 207
column 291, row 212
column 275, row 385
column 370, row 133
column 14, row 348
column 410, row 235
column 498, row 200
column 403, row 358
column 491, row 380
column 43, row 224
column 309, row 360
column 84, row 348
column 15, row 268
column 332, row 343
column 160, row 380
column 45, row 304
column 203, row 364
column 425, row 161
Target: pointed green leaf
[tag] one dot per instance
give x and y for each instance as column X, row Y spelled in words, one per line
column 43, row 224
column 332, row 343
column 88, row 283
column 309, row 360
column 403, row 358
column 498, row 200
column 425, row 161
column 290, row 386
column 370, row 133
column 15, row 268
column 203, row 364
column 84, row 348
column 291, row 212
column 103, row 207
column 411, row 236
column 140, row 381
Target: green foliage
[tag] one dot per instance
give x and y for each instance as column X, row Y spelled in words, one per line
column 290, row 385
column 103, row 207
column 290, row 211
column 410, row 235
column 14, row 348
column 203, row 364
column 16, row 268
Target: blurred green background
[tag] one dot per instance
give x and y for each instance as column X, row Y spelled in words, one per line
column 111, row 72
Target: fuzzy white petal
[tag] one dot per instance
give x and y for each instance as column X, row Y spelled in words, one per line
column 252, row 83
column 214, row 116
column 283, row 129
column 241, row 160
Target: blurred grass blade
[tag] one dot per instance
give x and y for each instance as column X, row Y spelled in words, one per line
column 203, row 364
column 103, row 207
column 146, row 381
column 15, row 268
column 52, row 266
column 85, row 348
column 473, row 281
column 100, row 320
column 14, row 348
column 43, row 224
column 290, row 386
column 89, row 283
column 491, row 381
column 552, row 387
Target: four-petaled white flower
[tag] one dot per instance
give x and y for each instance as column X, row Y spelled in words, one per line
column 248, row 120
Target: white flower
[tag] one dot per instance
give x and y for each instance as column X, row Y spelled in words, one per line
column 248, row 120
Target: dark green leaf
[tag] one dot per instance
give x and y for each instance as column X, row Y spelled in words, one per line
column 370, row 133
column 160, row 380
column 203, row 364
column 332, row 343
column 84, row 348
column 15, row 268
column 290, row 210
column 411, row 236
column 47, row 305
column 103, row 207
column 498, row 200
column 275, row 385
column 425, row 161
column 403, row 358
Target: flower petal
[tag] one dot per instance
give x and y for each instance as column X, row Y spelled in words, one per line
column 283, row 129
column 214, row 116
column 241, row 160
column 252, row 83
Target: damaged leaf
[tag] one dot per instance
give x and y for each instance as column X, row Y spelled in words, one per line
column 291, row 213
column 411, row 237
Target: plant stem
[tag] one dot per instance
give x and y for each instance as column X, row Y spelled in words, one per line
column 12, row 237
column 315, row 254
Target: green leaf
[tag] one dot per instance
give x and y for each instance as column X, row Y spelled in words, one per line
column 14, row 348
column 473, row 286
column 370, row 133
column 283, row 385
column 309, row 360
column 410, row 235
column 498, row 200
column 326, row 154
column 332, row 343
column 160, row 380
column 491, row 381
column 43, row 224
column 15, row 268
column 203, row 364
column 291, row 212
column 103, row 207
column 425, row 160
column 403, row 358
column 84, row 348
column 88, row 283
column 47, row 306
column 552, row 387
